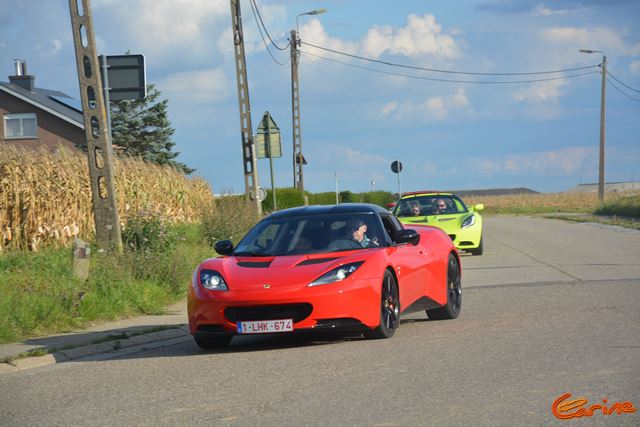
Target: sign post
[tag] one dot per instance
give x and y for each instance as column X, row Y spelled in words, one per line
column 396, row 167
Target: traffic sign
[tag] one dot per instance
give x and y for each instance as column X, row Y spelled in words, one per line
column 126, row 77
column 267, row 140
column 396, row 166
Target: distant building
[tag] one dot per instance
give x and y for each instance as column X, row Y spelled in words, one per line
column 608, row 187
column 33, row 117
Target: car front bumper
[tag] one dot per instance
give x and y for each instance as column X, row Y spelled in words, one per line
column 332, row 306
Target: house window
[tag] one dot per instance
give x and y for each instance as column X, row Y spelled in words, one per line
column 20, row 126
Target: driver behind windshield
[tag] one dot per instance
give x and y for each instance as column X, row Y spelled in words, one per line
column 359, row 234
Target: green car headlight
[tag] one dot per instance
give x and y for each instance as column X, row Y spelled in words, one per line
column 468, row 221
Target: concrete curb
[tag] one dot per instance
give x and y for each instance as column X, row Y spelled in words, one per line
column 92, row 350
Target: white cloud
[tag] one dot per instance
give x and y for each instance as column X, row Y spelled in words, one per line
column 358, row 158
column 420, row 36
column 606, row 39
column 565, row 161
column 200, row 86
column 389, row 108
column 543, row 10
column 161, row 28
column 634, row 67
column 313, row 32
column 51, row 47
column 540, row 92
column 432, row 108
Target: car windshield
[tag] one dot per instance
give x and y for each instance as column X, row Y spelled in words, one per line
column 430, row 205
column 309, row 234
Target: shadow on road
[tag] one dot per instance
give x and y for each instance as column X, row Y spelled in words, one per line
column 184, row 345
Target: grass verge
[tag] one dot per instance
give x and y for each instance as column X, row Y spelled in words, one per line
column 40, row 295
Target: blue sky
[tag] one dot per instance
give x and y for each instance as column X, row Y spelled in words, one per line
column 355, row 122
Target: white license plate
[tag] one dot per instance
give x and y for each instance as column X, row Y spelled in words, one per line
column 265, row 326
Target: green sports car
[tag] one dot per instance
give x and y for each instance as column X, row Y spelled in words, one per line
column 446, row 211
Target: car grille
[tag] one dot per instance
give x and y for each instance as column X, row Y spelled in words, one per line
column 297, row 312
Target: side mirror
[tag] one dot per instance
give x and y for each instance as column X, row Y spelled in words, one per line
column 408, row 236
column 224, row 247
column 478, row 207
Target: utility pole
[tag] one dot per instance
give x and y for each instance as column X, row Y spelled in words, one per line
column 601, row 178
column 298, row 158
column 298, row 177
column 249, row 162
column 96, row 127
column 603, row 93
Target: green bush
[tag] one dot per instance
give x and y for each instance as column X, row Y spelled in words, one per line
column 148, row 232
column 228, row 218
column 380, row 198
column 285, row 198
column 327, row 198
column 627, row 206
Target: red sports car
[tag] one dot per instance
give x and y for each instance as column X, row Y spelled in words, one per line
column 350, row 267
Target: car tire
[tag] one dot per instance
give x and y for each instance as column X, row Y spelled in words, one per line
column 389, row 309
column 212, row 342
column 478, row 250
column 451, row 309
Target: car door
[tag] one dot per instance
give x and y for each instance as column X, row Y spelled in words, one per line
column 408, row 262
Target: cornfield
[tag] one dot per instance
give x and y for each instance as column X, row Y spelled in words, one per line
column 45, row 198
column 544, row 202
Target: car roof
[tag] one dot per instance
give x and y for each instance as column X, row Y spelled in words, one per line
column 329, row 209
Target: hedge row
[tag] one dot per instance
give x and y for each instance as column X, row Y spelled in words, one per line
column 292, row 197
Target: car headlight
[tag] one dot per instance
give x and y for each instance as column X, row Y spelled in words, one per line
column 212, row 280
column 468, row 221
column 337, row 274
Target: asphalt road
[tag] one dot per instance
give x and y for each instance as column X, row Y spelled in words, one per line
column 550, row 308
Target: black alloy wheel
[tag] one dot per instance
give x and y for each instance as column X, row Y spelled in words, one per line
column 389, row 309
column 451, row 309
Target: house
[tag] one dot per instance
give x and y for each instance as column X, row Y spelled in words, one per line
column 33, row 117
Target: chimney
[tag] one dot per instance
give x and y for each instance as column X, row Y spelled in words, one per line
column 21, row 78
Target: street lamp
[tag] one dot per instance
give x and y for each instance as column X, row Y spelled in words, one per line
column 311, row 12
column 601, row 180
column 298, row 158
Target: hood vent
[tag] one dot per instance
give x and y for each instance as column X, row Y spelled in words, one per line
column 254, row 264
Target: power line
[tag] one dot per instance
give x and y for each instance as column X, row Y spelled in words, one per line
column 449, row 80
column 434, row 70
column 622, row 83
column 255, row 7
column 620, row 90
column 254, row 10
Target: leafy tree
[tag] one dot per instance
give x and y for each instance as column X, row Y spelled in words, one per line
column 141, row 128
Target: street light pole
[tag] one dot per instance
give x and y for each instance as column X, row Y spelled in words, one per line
column 603, row 94
column 298, row 159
